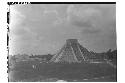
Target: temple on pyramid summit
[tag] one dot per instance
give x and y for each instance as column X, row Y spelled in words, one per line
column 71, row 52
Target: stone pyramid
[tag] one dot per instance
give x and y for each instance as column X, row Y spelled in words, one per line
column 71, row 52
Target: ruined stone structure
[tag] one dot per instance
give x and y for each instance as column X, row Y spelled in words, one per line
column 71, row 52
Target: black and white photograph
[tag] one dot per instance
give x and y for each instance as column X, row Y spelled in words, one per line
column 62, row 42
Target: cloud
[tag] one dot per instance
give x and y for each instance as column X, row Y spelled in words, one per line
column 91, row 31
column 46, row 27
column 77, row 21
column 16, row 17
column 92, row 18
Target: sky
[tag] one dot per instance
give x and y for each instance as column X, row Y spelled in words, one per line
column 44, row 28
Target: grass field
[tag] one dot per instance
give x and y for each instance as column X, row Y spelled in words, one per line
column 25, row 71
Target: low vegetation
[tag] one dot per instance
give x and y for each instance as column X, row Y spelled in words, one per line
column 37, row 68
column 25, row 71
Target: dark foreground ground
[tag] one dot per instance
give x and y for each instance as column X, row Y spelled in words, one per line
column 33, row 71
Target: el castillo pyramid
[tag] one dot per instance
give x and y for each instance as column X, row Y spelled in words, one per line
column 71, row 52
